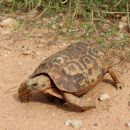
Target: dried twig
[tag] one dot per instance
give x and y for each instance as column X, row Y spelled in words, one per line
column 117, row 3
column 128, row 17
column 69, row 9
column 63, row 2
column 92, row 14
column 9, row 90
column 107, row 12
column 92, row 21
column 104, row 20
column 40, row 14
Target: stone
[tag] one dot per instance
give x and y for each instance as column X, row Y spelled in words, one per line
column 95, row 124
column 5, row 55
column 104, row 97
column 77, row 124
column 53, row 114
column 124, row 19
column 20, row 64
column 128, row 124
column 9, row 23
column 122, row 25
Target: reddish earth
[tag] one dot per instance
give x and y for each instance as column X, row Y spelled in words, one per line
column 19, row 57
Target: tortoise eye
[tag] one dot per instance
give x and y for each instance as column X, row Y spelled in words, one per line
column 34, row 85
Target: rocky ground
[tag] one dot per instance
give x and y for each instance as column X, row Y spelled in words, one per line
column 20, row 54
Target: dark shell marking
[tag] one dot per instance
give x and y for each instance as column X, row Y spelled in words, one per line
column 75, row 68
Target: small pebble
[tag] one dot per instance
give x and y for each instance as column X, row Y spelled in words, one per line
column 27, row 52
column 39, row 35
column 53, row 114
column 9, row 23
column 38, row 53
column 5, row 55
column 95, row 124
column 122, row 25
column 77, row 124
column 20, row 64
column 62, row 45
column 124, row 19
column 104, row 97
column 128, row 124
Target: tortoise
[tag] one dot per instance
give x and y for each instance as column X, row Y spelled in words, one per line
column 69, row 74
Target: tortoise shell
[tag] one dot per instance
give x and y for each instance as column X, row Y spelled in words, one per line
column 75, row 68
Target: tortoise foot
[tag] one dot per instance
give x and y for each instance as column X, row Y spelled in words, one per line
column 88, row 104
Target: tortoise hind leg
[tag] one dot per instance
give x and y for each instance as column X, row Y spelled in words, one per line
column 118, row 81
column 82, row 103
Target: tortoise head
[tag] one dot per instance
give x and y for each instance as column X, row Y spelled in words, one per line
column 38, row 83
column 33, row 85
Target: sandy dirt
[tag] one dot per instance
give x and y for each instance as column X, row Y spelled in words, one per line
column 18, row 59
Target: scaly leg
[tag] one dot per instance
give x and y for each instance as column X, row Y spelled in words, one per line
column 118, row 82
column 53, row 91
column 82, row 103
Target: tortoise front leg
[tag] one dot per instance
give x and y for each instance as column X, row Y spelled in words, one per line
column 118, row 82
column 82, row 103
column 53, row 91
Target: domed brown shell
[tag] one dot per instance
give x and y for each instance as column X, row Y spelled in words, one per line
column 75, row 68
